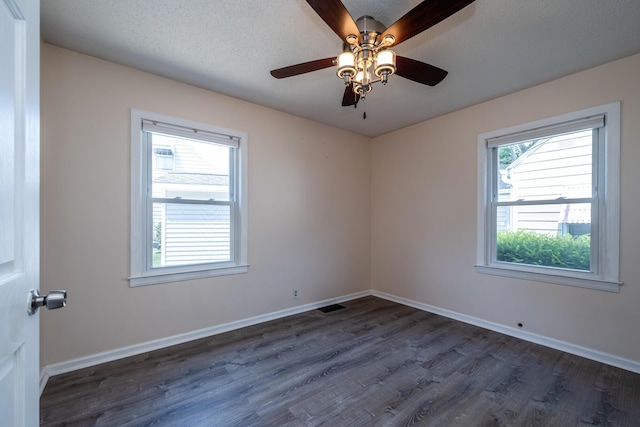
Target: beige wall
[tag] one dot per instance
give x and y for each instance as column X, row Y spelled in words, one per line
column 424, row 217
column 309, row 210
column 331, row 213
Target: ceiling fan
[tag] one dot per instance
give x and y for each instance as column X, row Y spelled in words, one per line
column 367, row 58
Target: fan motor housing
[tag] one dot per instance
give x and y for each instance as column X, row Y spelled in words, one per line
column 367, row 25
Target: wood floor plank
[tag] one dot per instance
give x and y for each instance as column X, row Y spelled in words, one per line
column 372, row 363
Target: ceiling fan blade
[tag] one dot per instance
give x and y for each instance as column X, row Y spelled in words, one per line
column 423, row 16
column 350, row 97
column 419, row 71
column 305, row 67
column 337, row 17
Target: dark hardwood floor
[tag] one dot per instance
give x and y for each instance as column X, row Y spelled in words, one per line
column 372, row 363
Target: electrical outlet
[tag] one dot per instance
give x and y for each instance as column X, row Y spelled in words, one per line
column 295, row 293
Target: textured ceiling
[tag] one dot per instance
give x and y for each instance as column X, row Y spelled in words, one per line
column 490, row 48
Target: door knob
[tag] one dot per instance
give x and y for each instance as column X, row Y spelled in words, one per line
column 52, row 300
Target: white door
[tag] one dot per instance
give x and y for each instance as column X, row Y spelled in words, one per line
column 19, row 216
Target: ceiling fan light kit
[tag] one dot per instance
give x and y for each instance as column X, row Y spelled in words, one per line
column 367, row 58
column 355, row 65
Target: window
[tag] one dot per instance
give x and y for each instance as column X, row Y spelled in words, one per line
column 188, row 200
column 548, row 200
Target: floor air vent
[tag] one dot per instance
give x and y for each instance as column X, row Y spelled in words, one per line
column 330, row 308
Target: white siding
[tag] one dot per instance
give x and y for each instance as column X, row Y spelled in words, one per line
column 559, row 167
column 196, row 233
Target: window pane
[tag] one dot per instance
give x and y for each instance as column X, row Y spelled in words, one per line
column 186, row 234
column 546, row 169
column 189, row 169
column 547, row 235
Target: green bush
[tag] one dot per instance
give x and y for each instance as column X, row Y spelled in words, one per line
column 524, row 247
column 158, row 232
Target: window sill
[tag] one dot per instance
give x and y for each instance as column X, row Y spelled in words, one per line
column 581, row 282
column 157, row 278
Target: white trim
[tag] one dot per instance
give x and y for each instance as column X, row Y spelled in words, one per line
column 528, row 132
column 580, row 282
column 44, row 378
column 611, row 233
column 598, row 356
column 190, row 132
column 184, row 123
column 156, row 278
column 133, row 350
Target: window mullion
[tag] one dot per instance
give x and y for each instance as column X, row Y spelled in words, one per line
column 561, row 201
column 191, row 201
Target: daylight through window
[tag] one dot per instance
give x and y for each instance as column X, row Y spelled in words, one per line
column 187, row 217
column 549, row 200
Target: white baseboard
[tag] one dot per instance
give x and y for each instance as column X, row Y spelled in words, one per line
column 109, row 356
column 44, row 377
column 120, row 353
column 609, row 359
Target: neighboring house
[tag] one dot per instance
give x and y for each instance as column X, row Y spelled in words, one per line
column 187, row 233
column 552, row 168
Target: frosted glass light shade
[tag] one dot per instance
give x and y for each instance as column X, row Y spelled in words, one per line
column 346, row 63
column 385, row 63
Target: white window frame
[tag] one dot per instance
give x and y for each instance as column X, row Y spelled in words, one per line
column 605, row 272
column 141, row 271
